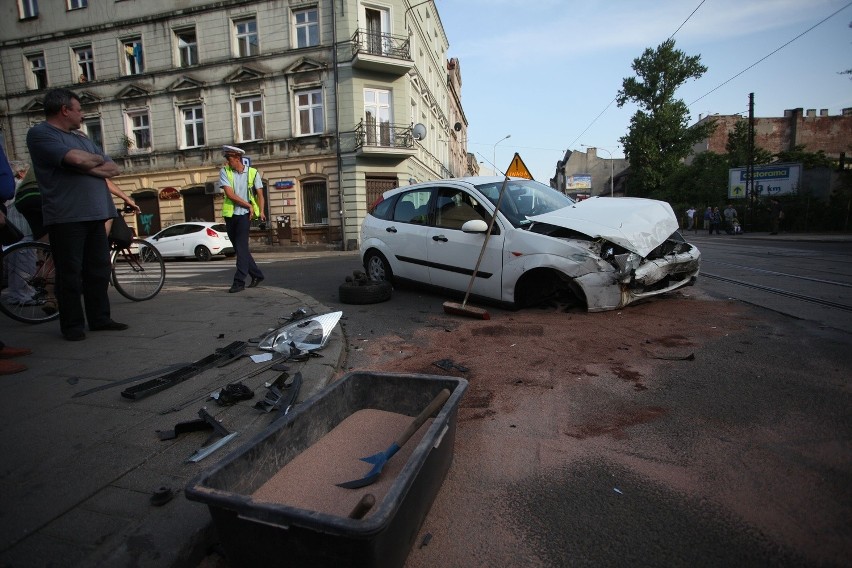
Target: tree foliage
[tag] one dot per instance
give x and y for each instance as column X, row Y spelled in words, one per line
column 737, row 148
column 659, row 136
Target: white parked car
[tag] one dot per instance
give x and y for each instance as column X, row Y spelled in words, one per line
column 603, row 252
column 200, row 239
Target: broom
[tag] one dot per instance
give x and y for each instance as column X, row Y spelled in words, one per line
column 463, row 309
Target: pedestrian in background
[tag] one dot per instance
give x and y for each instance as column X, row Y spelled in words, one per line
column 708, row 217
column 775, row 215
column 243, row 189
column 71, row 172
column 7, row 192
column 716, row 221
column 690, row 218
column 730, row 214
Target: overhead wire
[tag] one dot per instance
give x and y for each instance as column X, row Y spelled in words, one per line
column 616, row 97
column 770, row 54
column 728, row 80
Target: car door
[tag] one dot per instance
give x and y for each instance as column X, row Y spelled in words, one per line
column 453, row 254
column 405, row 235
column 169, row 241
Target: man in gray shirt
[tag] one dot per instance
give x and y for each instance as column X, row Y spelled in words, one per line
column 72, row 171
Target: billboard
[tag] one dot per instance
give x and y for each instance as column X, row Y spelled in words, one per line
column 578, row 181
column 769, row 181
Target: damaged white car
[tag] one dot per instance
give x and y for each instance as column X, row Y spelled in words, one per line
column 602, row 253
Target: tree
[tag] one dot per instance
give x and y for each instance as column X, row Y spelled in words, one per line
column 659, row 137
column 737, row 148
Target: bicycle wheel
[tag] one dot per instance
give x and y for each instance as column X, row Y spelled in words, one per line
column 26, row 289
column 138, row 272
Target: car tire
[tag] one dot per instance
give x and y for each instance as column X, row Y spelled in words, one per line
column 369, row 292
column 377, row 267
column 202, row 253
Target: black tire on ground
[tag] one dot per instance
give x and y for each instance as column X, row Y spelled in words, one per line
column 370, row 293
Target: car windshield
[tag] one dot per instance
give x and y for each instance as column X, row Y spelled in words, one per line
column 524, row 198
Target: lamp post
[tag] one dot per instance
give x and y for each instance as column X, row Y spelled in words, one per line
column 494, row 156
column 611, row 169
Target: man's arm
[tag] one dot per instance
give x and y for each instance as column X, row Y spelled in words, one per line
column 116, row 191
column 260, row 202
column 232, row 195
column 89, row 163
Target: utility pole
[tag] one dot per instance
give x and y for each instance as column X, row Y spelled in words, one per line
column 750, row 165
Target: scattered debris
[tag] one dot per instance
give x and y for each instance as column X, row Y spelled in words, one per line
column 232, row 393
column 426, row 539
column 161, row 496
column 449, row 365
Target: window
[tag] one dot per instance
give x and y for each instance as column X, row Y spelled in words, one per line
column 314, row 203
column 377, row 117
column 133, row 64
column 92, row 129
column 187, row 47
column 193, row 126
column 28, row 9
column 76, row 4
column 38, row 71
column 247, row 43
column 250, row 115
column 86, row 60
column 307, row 27
column 309, row 108
column 139, row 125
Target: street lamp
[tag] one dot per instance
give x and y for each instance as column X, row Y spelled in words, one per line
column 494, row 156
column 611, row 169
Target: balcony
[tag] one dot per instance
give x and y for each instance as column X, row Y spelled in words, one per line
column 384, row 140
column 381, row 52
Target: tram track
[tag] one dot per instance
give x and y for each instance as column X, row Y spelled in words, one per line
column 781, row 292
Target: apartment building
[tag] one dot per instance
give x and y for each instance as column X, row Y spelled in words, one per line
column 333, row 100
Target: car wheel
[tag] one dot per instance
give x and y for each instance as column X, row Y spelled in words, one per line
column 202, row 253
column 377, row 267
column 367, row 292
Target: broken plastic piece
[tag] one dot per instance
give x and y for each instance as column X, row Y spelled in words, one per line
column 305, row 335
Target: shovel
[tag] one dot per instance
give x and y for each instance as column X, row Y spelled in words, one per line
column 380, row 459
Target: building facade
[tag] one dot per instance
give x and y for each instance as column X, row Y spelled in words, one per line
column 815, row 131
column 585, row 174
column 323, row 95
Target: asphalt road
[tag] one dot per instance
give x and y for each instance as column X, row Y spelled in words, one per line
column 766, row 412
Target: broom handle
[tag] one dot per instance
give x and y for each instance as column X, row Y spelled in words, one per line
column 485, row 243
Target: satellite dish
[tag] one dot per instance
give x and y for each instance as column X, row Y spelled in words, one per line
column 419, row 131
column 457, row 127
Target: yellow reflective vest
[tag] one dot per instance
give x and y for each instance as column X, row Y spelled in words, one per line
column 228, row 205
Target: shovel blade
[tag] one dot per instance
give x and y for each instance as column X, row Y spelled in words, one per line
column 378, row 460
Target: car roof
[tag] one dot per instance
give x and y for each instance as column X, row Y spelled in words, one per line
column 468, row 181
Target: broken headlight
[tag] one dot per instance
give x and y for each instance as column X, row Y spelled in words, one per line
column 626, row 263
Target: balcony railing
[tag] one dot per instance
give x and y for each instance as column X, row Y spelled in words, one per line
column 381, row 52
column 377, row 43
column 384, row 138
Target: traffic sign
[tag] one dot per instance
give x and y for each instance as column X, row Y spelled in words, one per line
column 518, row 168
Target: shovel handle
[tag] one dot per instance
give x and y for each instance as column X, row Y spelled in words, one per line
column 433, row 407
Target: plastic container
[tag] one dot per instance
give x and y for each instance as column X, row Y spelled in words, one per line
column 262, row 534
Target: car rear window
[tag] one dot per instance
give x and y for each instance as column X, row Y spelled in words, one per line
column 219, row 228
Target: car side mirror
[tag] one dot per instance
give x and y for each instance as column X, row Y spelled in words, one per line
column 475, row 226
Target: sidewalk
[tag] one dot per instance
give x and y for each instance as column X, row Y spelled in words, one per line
column 765, row 236
column 78, row 473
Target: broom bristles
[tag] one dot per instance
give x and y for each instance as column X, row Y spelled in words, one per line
column 457, row 309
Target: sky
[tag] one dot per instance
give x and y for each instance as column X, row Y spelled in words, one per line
column 547, row 72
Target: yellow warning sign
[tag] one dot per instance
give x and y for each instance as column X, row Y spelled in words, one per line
column 518, row 168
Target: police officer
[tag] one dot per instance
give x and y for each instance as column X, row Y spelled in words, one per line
column 243, row 200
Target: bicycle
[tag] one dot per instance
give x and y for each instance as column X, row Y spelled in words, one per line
column 29, row 275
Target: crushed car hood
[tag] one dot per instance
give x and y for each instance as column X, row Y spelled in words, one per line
column 638, row 225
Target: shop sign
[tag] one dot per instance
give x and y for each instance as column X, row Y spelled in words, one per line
column 169, row 193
